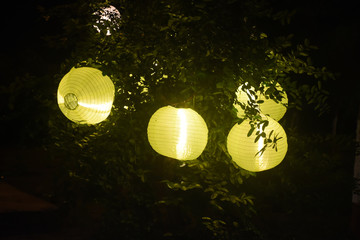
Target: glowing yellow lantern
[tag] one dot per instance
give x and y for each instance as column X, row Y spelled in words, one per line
column 247, row 154
column 85, row 95
column 275, row 110
column 179, row 133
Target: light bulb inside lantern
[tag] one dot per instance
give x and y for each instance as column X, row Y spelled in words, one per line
column 101, row 107
column 181, row 147
column 260, row 146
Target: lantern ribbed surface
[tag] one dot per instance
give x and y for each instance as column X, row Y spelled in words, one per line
column 244, row 150
column 276, row 110
column 85, row 95
column 179, row 133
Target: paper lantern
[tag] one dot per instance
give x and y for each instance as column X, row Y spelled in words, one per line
column 85, row 95
column 179, row 133
column 245, row 152
column 108, row 16
column 275, row 110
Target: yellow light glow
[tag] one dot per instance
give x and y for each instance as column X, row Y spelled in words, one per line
column 261, row 162
column 268, row 107
column 181, row 147
column 179, row 133
column 101, row 108
column 85, row 95
column 245, row 151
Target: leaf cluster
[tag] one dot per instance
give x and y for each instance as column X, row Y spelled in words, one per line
column 186, row 54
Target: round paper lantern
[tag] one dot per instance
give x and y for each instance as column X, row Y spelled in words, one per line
column 85, row 95
column 275, row 110
column 108, row 16
column 245, row 152
column 179, row 133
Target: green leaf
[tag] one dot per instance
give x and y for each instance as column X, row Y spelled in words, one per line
column 251, row 131
column 263, row 35
column 272, row 131
column 220, row 85
column 257, row 138
column 214, row 195
column 265, row 124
